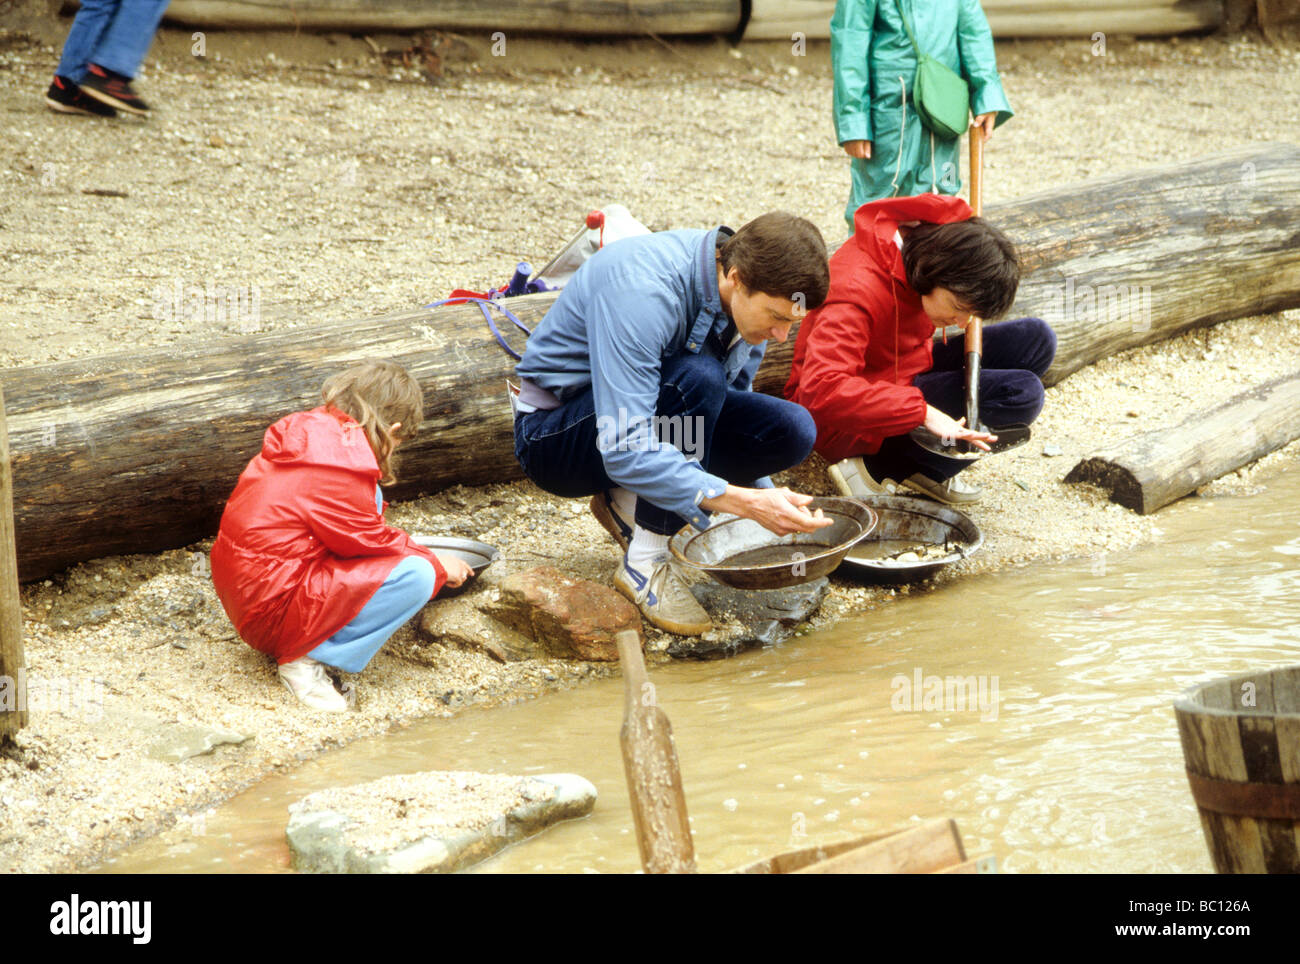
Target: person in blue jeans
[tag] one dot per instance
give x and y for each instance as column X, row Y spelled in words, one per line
column 103, row 53
column 636, row 389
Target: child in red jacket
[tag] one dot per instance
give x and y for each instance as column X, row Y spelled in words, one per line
column 303, row 563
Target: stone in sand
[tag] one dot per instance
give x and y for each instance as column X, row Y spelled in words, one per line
column 569, row 617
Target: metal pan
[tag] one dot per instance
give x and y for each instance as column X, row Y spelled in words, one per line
column 477, row 555
column 1009, row 437
column 739, row 552
column 906, row 523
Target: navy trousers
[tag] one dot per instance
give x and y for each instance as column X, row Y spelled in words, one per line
column 1016, row 356
column 746, row 436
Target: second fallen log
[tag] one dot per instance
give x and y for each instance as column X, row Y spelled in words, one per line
column 1165, row 464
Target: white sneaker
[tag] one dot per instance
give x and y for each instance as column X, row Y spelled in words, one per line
column 664, row 600
column 305, row 678
column 952, row 492
column 855, row 482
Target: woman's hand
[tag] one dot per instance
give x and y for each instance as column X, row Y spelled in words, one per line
column 986, row 121
column 457, row 569
column 859, row 149
column 946, row 428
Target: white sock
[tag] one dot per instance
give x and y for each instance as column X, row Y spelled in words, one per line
column 645, row 549
column 624, row 503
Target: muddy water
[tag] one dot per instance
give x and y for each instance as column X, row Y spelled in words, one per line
column 1058, row 753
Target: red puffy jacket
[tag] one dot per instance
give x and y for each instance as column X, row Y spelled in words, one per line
column 302, row 546
column 856, row 355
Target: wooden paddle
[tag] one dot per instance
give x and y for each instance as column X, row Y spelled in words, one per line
column 654, row 781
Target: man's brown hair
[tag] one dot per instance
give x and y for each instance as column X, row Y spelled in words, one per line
column 972, row 259
column 782, row 255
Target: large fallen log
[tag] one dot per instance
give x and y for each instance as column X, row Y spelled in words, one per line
column 767, row 20
column 781, row 19
column 1151, row 470
column 572, row 17
column 137, row 451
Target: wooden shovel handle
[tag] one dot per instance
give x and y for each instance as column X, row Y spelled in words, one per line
column 975, row 328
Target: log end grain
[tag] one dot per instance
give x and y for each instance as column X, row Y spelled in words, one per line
column 1119, row 483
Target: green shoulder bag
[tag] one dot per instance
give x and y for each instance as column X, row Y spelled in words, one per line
column 941, row 97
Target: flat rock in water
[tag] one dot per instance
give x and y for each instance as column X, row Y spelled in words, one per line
column 765, row 617
column 434, row 822
column 571, row 618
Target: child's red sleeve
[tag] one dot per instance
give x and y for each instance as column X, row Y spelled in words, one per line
column 341, row 513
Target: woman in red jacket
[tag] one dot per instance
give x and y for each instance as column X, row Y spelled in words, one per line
column 866, row 365
column 303, row 563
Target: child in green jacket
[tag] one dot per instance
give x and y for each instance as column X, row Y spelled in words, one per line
column 876, row 122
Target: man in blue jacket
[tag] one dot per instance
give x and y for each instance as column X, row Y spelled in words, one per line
column 636, row 385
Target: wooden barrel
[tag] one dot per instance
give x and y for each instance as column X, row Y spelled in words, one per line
column 1241, row 744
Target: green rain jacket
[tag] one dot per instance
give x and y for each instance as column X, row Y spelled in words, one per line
column 874, row 64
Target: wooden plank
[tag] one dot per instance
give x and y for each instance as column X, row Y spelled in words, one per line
column 137, row 451
column 1211, row 747
column 1288, row 745
column 922, row 850
column 589, row 17
column 1286, row 690
column 792, row 860
column 13, row 716
column 1218, row 695
column 1259, row 747
column 976, row 865
column 1148, row 471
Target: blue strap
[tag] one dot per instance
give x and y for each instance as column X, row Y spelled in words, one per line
column 484, row 304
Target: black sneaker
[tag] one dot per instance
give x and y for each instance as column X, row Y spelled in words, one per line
column 67, row 98
column 113, row 89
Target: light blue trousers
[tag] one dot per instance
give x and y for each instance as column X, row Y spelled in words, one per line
column 403, row 594
column 115, row 34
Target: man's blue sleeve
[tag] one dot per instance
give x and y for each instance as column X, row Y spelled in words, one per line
column 628, row 330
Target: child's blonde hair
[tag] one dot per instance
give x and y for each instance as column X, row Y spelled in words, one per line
column 377, row 394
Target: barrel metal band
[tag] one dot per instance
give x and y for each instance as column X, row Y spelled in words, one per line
column 1273, row 801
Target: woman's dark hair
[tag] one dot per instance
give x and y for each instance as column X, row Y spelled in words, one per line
column 782, row 255
column 972, row 259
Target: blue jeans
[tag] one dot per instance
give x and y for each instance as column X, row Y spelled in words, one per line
column 746, row 436
column 115, row 34
column 403, row 594
column 1016, row 356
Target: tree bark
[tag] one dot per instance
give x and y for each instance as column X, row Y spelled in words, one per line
column 590, row 17
column 138, row 451
column 1153, row 469
column 1080, row 19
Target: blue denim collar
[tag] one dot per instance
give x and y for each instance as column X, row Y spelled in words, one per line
column 711, row 315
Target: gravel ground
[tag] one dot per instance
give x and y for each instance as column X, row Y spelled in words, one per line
column 330, row 182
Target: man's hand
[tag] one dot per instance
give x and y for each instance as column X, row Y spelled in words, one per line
column 944, row 427
column 859, row 149
column 777, row 510
column 458, row 570
column 986, row 121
